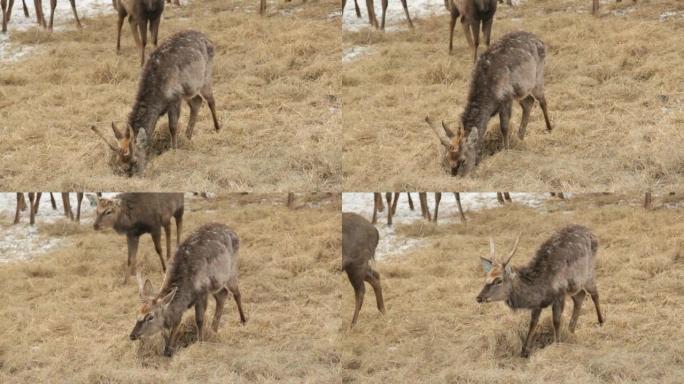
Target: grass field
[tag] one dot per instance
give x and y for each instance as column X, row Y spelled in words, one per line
column 435, row 332
column 613, row 84
column 67, row 317
column 276, row 84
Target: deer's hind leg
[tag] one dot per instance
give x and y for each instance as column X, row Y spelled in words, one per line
column 73, row 8
column 593, row 292
column 207, row 93
column 577, row 300
column 220, row 298
column 526, row 105
column 538, row 93
column 557, row 310
column 195, row 104
column 357, row 281
column 373, row 278
column 235, row 290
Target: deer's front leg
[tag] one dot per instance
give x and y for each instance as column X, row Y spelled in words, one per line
column 533, row 324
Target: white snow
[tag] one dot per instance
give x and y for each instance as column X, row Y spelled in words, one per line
column 24, row 241
column 64, row 19
column 392, row 245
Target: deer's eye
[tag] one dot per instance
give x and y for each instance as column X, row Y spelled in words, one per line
column 498, row 282
column 149, row 318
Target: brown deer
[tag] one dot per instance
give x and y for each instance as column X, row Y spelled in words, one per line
column 359, row 240
column 205, row 263
column 135, row 214
column 140, row 13
column 563, row 266
column 472, row 12
column 595, row 5
column 372, row 18
column 511, row 69
column 179, row 69
column 40, row 17
column 34, row 203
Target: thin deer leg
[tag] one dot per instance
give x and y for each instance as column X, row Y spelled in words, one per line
column 167, row 235
column 132, row 242
column 156, row 239
column 235, row 290
column 557, row 311
column 576, row 308
column 533, row 324
column 388, row 197
column 406, row 12
column 373, row 278
column 73, row 8
column 438, row 198
column 457, row 195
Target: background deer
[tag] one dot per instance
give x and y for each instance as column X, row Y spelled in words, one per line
column 472, row 12
column 511, row 69
column 359, row 240
column 34, row 203
column 563, row 266
column 372, row 18
column 40, row 17
column 179, row 69
column 206, row 263
column 595, row 5
column 135, row 214
column 140, row 13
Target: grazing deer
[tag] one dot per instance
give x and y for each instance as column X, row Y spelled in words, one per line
column 472, row 12
column 205, row 263
column 139, row 12
column 179, row 69
column 595, row 5
column 563, row 266
column 135, row 214
column 511, row 69
column 359, row 240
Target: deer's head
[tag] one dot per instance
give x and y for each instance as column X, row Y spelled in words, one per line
column 107, row 211
column 127, row 148
column 499, row 275
column 461, row 148
column 150, row 318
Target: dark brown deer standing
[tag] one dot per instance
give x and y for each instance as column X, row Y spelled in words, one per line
column 372, row 18
column 140, row 13
column 595, row 5
column 359, row 240
column 472, row 13
column 563, row 266
column 179, row 69
column 457, row 196
column 512, row 69
column 205, row 263
column 135, row 214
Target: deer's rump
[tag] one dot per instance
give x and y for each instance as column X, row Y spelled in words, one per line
column 359, row 240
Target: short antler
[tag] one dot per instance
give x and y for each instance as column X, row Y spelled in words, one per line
column 97, row 132
column 515, row 248
column 441, row 133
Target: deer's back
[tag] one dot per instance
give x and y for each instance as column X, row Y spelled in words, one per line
column 206, row 260
column 566, row 259
column 359, row 240
column 511, row 67
column 180, row 66
column 142, row 212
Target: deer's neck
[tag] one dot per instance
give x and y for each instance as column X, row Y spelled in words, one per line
column 145, row 114
column 526, row 292
column 477, row 113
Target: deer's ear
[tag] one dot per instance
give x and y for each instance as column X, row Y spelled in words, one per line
column 148, row 290
column 168, row 298
column 486, row 264
column 509, row 271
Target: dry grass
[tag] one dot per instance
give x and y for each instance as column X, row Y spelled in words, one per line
column 276, row 84
column 66, row 317
column 434, row 331
column 613, row 83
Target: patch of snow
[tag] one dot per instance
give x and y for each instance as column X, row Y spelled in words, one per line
column 64, row 19
column 391, row 244
column 665, row 16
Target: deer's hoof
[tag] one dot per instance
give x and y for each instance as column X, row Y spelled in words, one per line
column 525, row 354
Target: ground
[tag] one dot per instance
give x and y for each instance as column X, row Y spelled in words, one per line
column 435, row 332
column 67, row 316
column 276, row 84
column 614, row 96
